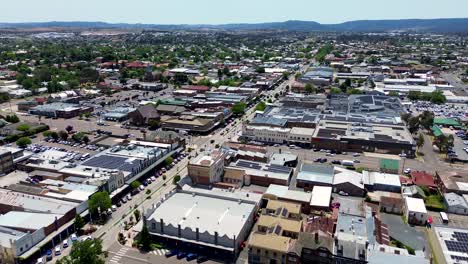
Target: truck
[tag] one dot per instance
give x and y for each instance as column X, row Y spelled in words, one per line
column 347, row 163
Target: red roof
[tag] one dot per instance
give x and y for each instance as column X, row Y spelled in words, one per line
column 422, row 178
column 406, row 180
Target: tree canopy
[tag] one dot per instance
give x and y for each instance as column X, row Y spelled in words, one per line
column 85, row 252
column 99, row 200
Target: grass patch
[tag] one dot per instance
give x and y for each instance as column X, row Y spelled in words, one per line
column 399, row 244
column 434, row 202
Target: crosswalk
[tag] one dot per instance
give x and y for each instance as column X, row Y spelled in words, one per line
column 159, row 252
column 116, row 258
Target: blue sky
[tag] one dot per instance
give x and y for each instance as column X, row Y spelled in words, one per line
column 226, row 11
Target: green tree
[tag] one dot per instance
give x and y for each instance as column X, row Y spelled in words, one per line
column 63, row 135
column 260, row 106
column 260, row 70
column 135, row 184
column 238, row 109
column 414, row 95
column 69, row 128
column 144, row 240
column 437, row 97
column 426, row 119
column 12, row 119
column 85, row 252
column 137, row 214
column 176, row 179
column 78, row 137
column 23, row 142
column 99, row 200
column 335, row 90
column 79, row 222
column 310, row 89
column 413, row 124
column 393, row 93
column 169, row 161
column 154, row 124
column 420, row 141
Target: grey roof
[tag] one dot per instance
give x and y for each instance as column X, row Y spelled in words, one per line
column 316, row 173
column 268, row 120
column 377, row 257
column 26, row 220
column 453, row 199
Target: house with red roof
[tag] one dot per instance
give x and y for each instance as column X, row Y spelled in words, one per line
column 422, row 178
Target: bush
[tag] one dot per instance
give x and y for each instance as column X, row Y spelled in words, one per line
column 23, row 127
column 176, row 179
column 23, row 142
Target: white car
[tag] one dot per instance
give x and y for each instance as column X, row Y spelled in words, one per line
column 407, row 171
column 58, row 251
column 40, row 261
column 65, row 243
column 74, row 238
column 114, row 208
column 403, row 155
column 342, row 193
column 153, row 178
column 356, row 154
column 129, row 197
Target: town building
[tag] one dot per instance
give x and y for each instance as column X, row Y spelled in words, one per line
column 277, row 230
column 207, row 168
column 415, row 211
column 456, row 204
column 217, row 223
column 451, row 242
column 311, row 175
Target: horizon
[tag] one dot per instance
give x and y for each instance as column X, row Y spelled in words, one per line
column 220, row 24
column 211, row 12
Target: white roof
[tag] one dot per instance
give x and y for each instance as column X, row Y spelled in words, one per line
column 209, row 214
column 283, row 192
column 381, row 178
column 415, row 205
column 343, row 175
column 26, row 220
column 321, row 196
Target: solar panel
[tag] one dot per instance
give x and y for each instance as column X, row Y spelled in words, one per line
column 457, row 246
column 463, row 237
column 459, row 258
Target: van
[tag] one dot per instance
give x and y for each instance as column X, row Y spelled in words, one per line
column 347, row 163
column 444, row 217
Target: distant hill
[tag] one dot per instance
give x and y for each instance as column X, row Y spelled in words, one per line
column 445, row 25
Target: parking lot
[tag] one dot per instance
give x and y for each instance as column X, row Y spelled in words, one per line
column 448, row 110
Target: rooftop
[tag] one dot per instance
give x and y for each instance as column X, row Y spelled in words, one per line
column 209, row 214
column 27, row 220
column 316, row 173
column 415, row 205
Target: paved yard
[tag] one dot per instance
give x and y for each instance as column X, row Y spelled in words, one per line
column 404, row 233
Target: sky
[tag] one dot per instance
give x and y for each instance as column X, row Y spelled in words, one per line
column 226, row 11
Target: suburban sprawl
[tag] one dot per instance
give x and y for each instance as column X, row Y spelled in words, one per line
column 233, row 146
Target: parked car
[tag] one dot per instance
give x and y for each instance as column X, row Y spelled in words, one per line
column 65, row 243
column 40, row 261
column 181, row 255
column 74, row 238
column 58, row 251
column 172, row 253
column 202, row 259
column 407, row 171
column 49, row 255
column 191, row 256
column 114, row 208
